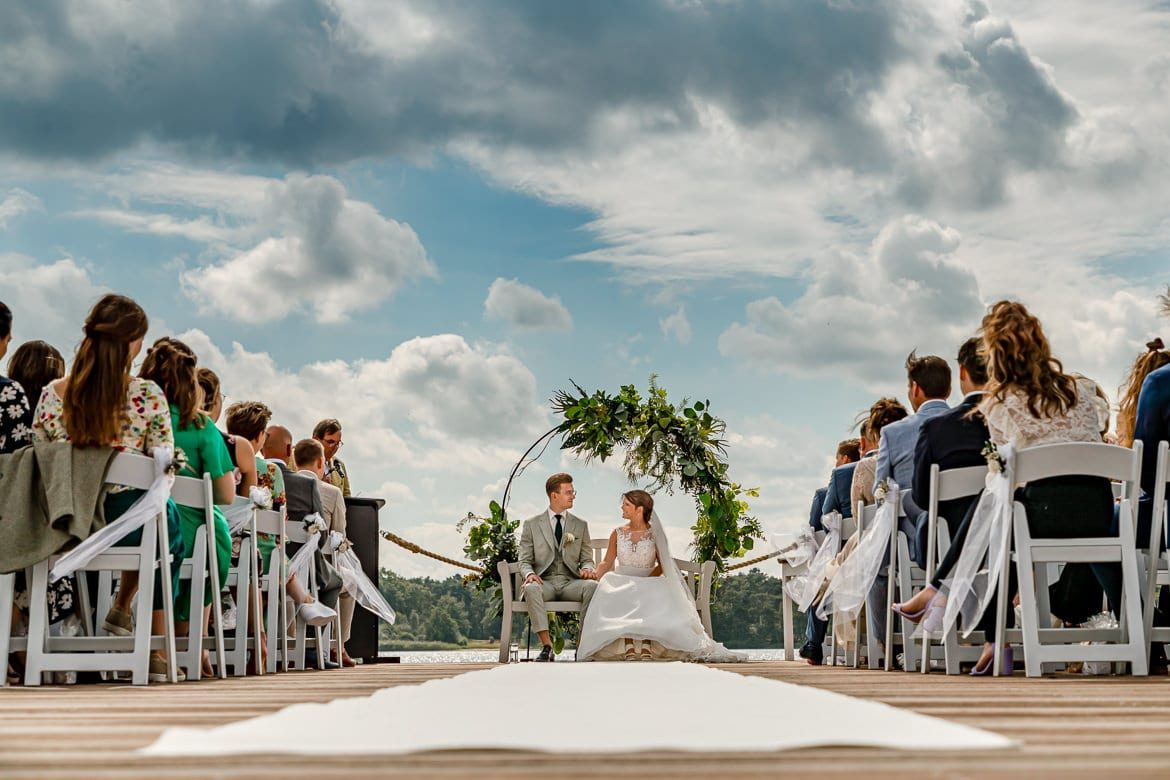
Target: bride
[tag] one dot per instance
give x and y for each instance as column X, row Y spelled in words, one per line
column 642, row 610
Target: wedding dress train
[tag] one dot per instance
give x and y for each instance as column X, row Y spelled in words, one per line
column 631, row 604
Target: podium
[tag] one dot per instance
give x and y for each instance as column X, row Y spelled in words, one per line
column 361, row 527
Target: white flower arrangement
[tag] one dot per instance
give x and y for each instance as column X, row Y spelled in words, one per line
column 178, row 462
column 879, row 492
column 260, row 496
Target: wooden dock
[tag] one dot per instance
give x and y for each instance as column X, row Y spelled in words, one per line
column 1068, row 727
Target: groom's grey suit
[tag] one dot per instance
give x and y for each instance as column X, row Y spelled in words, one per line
column 560, row 569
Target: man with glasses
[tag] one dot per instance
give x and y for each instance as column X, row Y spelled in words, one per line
column 556, row 559
column 328, row 432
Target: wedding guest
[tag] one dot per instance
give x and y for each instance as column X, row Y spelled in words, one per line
column 171, row 365
column 814, row 511
column 240, row 450
column 309, row 456
column 836, row 500
column 1146, row 363
column 884, row 411
column 15, row 411
column 328, row 432
column 33, row 365
column 1030, row 400
column 99, row 404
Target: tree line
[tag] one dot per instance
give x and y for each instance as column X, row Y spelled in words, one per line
column 745, row 613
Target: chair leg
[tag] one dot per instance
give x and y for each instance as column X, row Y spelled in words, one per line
column 7, row 594
column 38, row 624
column 168, row 605
column 506, row 631
column 786, row 617
column 216, row 604
column 1132, row 621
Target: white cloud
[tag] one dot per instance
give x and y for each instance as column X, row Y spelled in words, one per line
column 301, row 239
column 49, row 301
column 525, row 308
column 860, row 315
column 677, row 326
column 17, row 202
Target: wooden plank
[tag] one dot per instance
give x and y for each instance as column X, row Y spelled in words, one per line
column 1071, row 726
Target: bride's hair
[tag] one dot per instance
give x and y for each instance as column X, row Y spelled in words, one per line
column 643, row 499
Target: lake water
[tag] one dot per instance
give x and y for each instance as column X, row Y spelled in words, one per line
column 491, row 656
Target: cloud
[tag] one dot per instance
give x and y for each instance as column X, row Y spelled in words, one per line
column 525, row 308
column 860, row 315
column 49, row 301
column 677, row 326
column 300, row 239
column 16, row 203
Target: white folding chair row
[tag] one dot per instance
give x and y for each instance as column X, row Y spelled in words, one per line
column 201, row 566
column 151, row 558
column 1033, row 554
column 244, row 580
column 273, row 585
column 948, row 485
column 1157, row 571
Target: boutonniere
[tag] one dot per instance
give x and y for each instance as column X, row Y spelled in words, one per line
column 995, row 461
column 569, row 538
column 879, row 492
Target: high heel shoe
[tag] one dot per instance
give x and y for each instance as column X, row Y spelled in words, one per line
column 914, row 617
column 1008, row 661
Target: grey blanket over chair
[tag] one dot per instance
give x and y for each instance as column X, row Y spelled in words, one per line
column 51, row 496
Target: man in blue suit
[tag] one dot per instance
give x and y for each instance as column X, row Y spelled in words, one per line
column 834, row 498
column 929, row 384
column 814, row 511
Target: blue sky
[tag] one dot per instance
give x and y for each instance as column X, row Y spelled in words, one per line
column 426, row 218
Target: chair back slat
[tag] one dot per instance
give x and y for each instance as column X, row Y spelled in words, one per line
column 1078, row 458
column 189, row 491
column 960, row 483
column 132, row 470
column 269, row 521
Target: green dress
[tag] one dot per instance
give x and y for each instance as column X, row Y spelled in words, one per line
column 206, row 454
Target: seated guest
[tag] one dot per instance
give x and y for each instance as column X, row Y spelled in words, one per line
column 883, row 412
column 814, row 511
column 1030, row 400
column 841, row 479
column 239, row 449
column 928, row 386
column 172, row 366
column 249, row 419
column 15, row 411
column 836, row 500
column 304, row 498
column 33, row 365
column 100, row 405
column 1151, row 426
column 328, row 432
column 310, row 460
column 1147, row 362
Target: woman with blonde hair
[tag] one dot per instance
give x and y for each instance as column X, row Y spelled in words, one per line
column 1146, row 363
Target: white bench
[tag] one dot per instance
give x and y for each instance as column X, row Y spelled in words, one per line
column 698, row 576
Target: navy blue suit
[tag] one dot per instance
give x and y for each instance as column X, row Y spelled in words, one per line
column 1151, row 427
column 837, row 494
column 814, row 512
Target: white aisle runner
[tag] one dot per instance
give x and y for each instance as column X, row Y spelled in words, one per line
column 606, row 708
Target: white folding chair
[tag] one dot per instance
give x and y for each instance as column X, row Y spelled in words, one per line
column 274, row 587
column 8, row 643
column 897, row 539
column 109, row 653
column 948, row 485
column 244, row 581
column 1033, row 555
column 295, row 533
column 203, row 563
column 1157, row 560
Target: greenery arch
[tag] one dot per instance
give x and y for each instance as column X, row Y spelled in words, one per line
column 663, row 441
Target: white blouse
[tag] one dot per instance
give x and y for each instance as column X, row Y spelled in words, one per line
column 1011, row 421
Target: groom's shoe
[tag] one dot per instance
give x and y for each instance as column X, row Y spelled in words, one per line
column 813, row 653
column 546, row 654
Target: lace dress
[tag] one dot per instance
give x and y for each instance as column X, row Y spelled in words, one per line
column 629, row 603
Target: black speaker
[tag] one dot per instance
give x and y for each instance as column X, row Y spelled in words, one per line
column 361, row 527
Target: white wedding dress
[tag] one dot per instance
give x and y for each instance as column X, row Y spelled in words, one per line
column 629, row 603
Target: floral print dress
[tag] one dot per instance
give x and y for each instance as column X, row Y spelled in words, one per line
column 15, row 417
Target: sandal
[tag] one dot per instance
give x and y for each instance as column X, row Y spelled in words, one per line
column 631, row 653
column 646, row 654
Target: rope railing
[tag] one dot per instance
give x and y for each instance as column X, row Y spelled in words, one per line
column 414, row 548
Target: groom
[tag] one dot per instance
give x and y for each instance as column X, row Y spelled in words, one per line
column 555, row 558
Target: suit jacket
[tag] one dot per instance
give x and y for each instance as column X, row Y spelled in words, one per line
column 953, row 441
column 1151, row 427
column 303, row 497
column 332, row 503
column 837, row 497
column 538, row 547
column 814, row 512
column 895, row 459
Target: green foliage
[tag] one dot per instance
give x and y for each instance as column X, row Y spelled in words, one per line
column 747, row 612
column 490, row 539
column 666, row 443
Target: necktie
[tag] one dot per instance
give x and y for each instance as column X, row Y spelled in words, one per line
column 559, row 532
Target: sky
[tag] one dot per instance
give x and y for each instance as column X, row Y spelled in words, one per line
column 426, row 218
